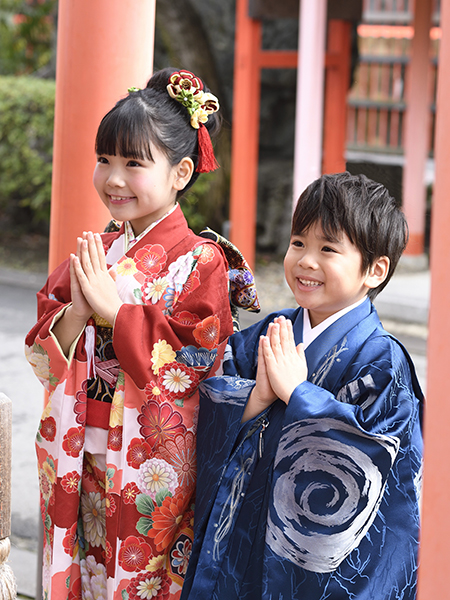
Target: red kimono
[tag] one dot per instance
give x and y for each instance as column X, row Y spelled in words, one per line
column 116, row 442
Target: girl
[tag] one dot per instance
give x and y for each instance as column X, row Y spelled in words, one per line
column 127, row 329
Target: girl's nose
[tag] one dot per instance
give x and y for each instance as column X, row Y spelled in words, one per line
column 115, row 178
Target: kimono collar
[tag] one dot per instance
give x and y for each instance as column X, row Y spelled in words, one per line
column 311, row 333
column 131, row 239
column 348, row 332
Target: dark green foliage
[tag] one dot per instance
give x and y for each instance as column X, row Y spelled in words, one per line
column 26, row 141
column 27, row 37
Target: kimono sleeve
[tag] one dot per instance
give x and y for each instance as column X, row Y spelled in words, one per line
column 336, row 453
column 146, row 338
column 41, row 350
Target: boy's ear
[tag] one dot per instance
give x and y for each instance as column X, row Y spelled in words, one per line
column 183, row 173
column 377, row 272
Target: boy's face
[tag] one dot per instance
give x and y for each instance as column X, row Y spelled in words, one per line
column 324, row 275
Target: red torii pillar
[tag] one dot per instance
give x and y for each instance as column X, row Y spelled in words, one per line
column 104, row 47
column 435, row 534
column 417, row 128
column 249, row 60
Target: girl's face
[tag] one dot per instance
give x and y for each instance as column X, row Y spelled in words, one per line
column 139, row 191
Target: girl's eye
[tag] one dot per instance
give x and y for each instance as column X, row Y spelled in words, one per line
column 328, row 249
column 297, row 243
column 133, row 163
column 102, row 160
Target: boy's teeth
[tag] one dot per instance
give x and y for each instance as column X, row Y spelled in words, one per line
column 309, row 283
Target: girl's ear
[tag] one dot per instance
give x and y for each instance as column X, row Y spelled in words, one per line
column 183, row 173
column 377, row 272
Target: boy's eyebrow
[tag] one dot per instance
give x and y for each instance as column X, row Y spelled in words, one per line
column 323, row 238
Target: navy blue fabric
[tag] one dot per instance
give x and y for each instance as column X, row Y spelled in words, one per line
column 317, row 499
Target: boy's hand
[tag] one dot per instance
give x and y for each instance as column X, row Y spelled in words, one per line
column 285, row 362
column 262, row 394
column 93, row 277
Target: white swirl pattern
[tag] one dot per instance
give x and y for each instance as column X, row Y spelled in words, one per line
column 328, row 495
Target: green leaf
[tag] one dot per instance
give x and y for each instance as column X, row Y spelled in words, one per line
column 145, row 504
column 125, row 595
column 144, row 525
column 163, row 493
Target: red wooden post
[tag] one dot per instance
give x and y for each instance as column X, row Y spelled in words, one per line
column 245, row 137
column 104, row 47
column 337, row 80
column 434, row 546
column 417, row 128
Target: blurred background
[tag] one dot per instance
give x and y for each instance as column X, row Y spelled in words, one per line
column 199, row 35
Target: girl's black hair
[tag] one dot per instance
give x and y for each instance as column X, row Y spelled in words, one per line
column 362, row 209
column 151, row 117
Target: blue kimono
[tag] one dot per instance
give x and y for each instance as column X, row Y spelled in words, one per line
column 317, row 499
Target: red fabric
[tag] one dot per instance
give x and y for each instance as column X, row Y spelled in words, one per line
column 97, row 413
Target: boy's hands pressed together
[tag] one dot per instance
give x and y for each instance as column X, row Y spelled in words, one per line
column 262, row 394
column 281, row 368
column 95, row 282
column 285, row 363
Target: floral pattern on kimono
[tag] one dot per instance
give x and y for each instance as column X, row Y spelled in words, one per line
column 135, row 535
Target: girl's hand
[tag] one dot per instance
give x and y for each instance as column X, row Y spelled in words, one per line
column 285, row 362
column 262, row 394
column 81, row 310
column 93, row 277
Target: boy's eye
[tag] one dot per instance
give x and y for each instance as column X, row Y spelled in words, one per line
column 297, row 243
column 328, row 249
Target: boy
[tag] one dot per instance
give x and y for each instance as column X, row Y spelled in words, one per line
column 310, row 446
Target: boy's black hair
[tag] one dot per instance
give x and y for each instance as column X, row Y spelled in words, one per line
column 151, row 117
column 362, row 209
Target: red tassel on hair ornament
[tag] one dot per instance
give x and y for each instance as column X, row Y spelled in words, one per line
column 206, row 160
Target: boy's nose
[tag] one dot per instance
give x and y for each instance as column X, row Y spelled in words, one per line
column 308, row 261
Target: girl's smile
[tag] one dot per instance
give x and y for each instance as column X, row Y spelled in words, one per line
column 141, row 191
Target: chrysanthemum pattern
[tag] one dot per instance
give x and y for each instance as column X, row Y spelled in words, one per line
column 93, row 511
column 155, row 475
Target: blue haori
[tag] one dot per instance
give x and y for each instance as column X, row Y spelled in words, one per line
column 318, row 499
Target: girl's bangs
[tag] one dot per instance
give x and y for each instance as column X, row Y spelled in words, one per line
column 121, row 134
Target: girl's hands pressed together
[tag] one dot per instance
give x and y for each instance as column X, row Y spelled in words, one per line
column 95, row 282
column 285, row 363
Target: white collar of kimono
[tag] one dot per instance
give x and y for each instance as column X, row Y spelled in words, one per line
column 131, row 239
column 123, row 243
column 310, row 333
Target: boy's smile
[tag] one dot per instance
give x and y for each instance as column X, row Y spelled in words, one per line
column 325, row 275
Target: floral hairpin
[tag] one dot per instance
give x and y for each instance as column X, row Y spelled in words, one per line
column 133, row 89
column 187, row 89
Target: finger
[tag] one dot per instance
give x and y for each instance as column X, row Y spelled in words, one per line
column 275, row 338
column 301, row 349
column 84, row 257
column 77, row 270
column 285, row 339
column 290, row 330
column 93, row 251
column 100, row 252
